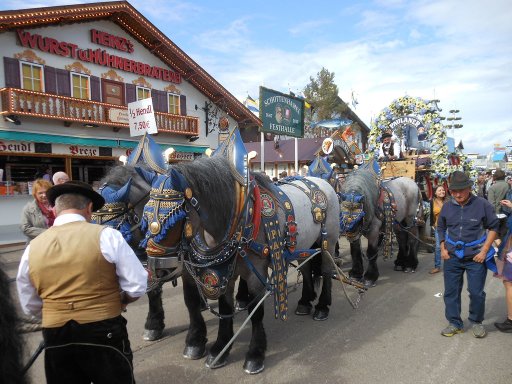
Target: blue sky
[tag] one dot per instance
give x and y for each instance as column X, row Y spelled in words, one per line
column 457, row 51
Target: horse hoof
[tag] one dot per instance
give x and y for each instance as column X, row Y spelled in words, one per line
column 303, row 310
column 241, row 305
column 369, row 283
column 152, row 334
column 253, row 367
column 193, row 352
column 321, row 314
column 220, row 363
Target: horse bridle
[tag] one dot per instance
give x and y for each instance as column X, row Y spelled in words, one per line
column 201, row 257
column 112, row 211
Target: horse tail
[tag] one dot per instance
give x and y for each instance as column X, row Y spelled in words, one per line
column 420, row 220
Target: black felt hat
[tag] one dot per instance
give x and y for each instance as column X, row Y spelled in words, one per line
column 76, row 187
column 385, row 135
column 459, row 180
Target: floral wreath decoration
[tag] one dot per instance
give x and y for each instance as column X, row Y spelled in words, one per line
column 443, row 162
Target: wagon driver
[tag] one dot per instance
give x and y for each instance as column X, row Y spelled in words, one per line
column 389, row 149
column 79, row 277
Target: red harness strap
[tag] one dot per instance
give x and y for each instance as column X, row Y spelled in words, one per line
column 256, row 218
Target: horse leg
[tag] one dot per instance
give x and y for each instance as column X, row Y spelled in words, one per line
column 255, row 357
column 154, row 326
column 304, row 306
column 242, row 295
column 401, row 259
column 325, row 299
column 413, row 245
column 372, row 272
column 357, row 260
column 195, row 342
column 225, row 333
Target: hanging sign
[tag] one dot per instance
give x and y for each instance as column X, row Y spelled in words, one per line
column 281, row 114
column 141, row 117
column 327, row 145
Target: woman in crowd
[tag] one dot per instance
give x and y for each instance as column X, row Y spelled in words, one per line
column 505, row 271
column 37, row 214
column 435, row 208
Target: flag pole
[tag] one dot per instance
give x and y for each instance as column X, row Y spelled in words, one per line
column 262, row 152
column 296, row 156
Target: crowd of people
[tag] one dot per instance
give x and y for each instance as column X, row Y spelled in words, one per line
column 470, row 228
column 74, row 281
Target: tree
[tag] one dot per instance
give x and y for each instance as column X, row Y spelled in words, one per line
column 322, row 94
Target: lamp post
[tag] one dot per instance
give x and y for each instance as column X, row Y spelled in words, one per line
column 453, row 121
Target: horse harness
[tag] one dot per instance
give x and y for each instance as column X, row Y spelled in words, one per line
column 255, row 207
column 119, row 215
column 387, row 209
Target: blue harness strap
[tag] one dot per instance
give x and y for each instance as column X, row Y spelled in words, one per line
column 490, row 263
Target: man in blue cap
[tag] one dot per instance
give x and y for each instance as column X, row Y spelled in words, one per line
column 467, row 226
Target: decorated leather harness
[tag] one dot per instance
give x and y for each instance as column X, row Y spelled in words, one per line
column 212, row 268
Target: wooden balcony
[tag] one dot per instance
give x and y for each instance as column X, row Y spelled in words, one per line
column 21, row 102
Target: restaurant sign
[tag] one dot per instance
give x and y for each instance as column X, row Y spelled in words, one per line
column 116, row 115
column 281, row 114
column 17, row 146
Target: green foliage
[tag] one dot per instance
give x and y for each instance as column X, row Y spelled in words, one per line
column 322, row 94
column 436, row 135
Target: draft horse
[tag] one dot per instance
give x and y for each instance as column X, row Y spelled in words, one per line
column 376, row 210
column 125, row 193
column 222, row 229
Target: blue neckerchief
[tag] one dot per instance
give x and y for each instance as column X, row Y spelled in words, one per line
column 490, row 263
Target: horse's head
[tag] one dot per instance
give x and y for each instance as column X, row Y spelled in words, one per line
column 351, row 214
column 125, row 194
column 189, row 214
column 358, row 199
column 164, row 214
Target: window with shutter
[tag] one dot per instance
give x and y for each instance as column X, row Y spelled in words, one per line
column 80, row 86
column 173, row 103
column 143, row 93
column 63, row 82
column 131, row 93
column 183, row 105
column 50, row 79
column 12, row 73
column 95, row 88
column 32, row 76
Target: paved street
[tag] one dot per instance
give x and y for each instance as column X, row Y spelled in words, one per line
column 394, row 337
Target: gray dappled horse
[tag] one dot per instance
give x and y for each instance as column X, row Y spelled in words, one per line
column 125, row 193
column 374, row 210
column 198, row 212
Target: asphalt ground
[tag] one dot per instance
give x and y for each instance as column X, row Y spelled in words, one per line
column 393, row 337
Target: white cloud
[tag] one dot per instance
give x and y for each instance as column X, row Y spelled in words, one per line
column 458, row 52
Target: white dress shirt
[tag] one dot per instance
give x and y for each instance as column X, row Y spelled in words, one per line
column 130, row 272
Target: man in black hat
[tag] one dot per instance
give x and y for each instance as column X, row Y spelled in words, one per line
column 79, row 277
column 389, row 150
column 467, row 226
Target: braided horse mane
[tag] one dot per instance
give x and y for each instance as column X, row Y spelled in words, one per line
column 117, row 176
column 213, row 186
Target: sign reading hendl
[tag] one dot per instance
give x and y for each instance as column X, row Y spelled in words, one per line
column 141, row 117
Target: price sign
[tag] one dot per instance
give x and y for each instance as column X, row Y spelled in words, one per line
column 141, row 117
